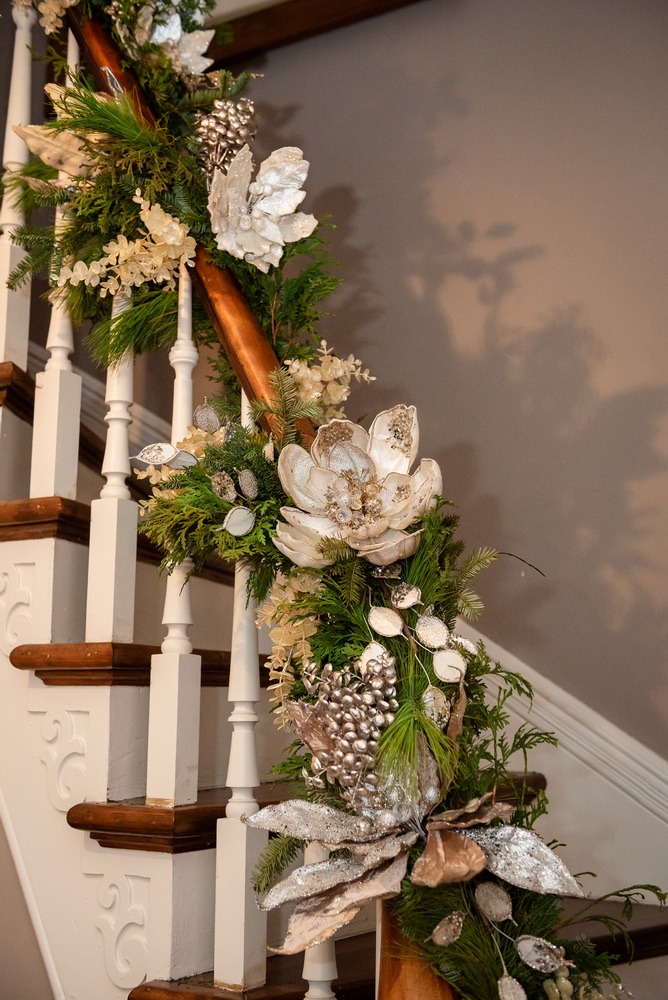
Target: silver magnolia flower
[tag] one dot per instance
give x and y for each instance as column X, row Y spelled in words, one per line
column 254, row 221
column 355, row 486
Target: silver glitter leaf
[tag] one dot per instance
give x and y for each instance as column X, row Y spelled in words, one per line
column 432, row 632
column 385, row 621
column 309, row 880
column 239, row 521
column 449, row 929
column 510, row 989
column 373, row 854
column 248, row 483
column 309, row 821
column 521, row 858
column 206, row 419
column 449, row 666
column 493, row 902
column 391, row 572
column 317, row 918
column 539, row 954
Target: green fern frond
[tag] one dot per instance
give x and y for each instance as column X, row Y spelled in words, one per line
column 469, row 604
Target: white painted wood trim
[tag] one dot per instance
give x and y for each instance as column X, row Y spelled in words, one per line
column 31, row 902
column 612, row 754
column 146, row 427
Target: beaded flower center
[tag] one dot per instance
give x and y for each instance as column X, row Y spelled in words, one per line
column 355, row 505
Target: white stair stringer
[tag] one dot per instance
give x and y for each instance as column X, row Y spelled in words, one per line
column 608, row 794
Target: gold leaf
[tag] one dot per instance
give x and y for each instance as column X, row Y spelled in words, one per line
column 448, row 857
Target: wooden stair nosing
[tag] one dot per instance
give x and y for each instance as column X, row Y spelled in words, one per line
column 99, row 664
column 133, row 825
column 17, row 390
column 293, row 21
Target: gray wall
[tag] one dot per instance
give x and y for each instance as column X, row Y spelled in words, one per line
column 496, row 173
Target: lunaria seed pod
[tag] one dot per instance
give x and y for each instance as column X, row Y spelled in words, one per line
column 239, row 521
column 223, row 486
column 435, row 705
column 449, row 929
column 162, row 453
column 370, row 652
column 449, row 665
column 510, row 989
column 540, row 954
column 493, row 902
column 385, row 621
column 432, row 632
column 206, row 419
column 405, row 596
column 248, row 483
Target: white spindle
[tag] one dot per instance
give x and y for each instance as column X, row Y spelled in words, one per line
column 15, row 305
column 241, row 928
column 320, row 960
column 173, row 729
column 55, row 451
column 113, row 529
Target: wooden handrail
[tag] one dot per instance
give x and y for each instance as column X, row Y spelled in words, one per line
column 249, row 352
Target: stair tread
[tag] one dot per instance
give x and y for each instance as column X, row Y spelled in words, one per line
column 355, row 957
column 112, row 663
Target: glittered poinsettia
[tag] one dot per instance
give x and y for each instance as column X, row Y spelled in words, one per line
column 254, row 220
column 355, row 486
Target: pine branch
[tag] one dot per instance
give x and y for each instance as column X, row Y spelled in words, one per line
column 277, row 855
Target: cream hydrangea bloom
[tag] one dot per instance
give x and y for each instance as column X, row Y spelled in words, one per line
column 355, row 486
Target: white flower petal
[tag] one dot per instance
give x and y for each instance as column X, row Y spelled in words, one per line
column 394, row 439
column 297, row 227
column 392, row 551
column 294, row 467
column 294, row 544
column 333, row 432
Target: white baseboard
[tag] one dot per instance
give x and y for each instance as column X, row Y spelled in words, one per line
column 617, row 758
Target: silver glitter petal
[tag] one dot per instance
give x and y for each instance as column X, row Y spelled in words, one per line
column 493, row 902
column 385, row 621
column 372, row 855
column 405, row 596
column 510, row 989
column 223, row 486
column 432, row 632
column 239, row 521
column 248, row 483
column 310, row 880
column 540, row 954
column 206, row 419
column 449, row 929
column 521, row 858
column 309, row 821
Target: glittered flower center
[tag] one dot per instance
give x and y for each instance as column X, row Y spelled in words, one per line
column 354, row 504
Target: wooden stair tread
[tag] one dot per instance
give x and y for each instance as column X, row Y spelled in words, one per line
column 98, row 664
column 293, row 21
column 355, row 957
column 17, row 390
column 131, row 824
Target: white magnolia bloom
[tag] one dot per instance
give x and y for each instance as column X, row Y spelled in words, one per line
column 355, row 486
column 254, row 221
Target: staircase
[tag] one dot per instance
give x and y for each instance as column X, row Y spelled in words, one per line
column 114, row 736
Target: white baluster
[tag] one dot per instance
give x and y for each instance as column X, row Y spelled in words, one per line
column 320, row 960
column 55, row 451
column 113, row 529
column 173, row 729
column 241, row 928
column 15, row 305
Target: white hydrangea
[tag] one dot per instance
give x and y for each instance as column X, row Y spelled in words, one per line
column 155, row 256
column 328, row 381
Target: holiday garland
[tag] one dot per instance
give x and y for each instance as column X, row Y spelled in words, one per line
column 401, row 763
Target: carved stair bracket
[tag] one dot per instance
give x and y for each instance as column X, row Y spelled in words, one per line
column 99, row 664
column 16, row 597
column 62, row 749
column 124, row 904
